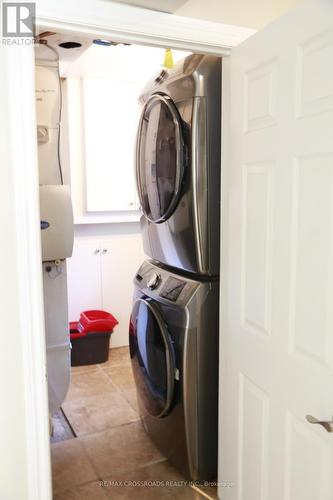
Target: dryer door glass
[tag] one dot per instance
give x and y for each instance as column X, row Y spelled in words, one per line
column 152, row 357
column 160, row 158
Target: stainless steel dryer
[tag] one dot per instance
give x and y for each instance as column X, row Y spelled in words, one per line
column 174, row 354
column 178, row 165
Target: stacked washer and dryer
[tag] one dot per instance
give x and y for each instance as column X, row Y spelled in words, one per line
column 174, row 324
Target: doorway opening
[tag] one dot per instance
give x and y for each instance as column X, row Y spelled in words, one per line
column 87, row 96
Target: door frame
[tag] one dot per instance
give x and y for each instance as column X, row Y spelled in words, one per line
column 98, row 18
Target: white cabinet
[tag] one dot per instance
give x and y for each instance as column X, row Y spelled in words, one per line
column 111, row 114
column 102, row 180
column 100, row 276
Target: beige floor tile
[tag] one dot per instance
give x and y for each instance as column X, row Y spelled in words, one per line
column 120, row 449
column 70, row 465
column 131, row 397
column 84, row 368
column 211, row 491
column 121, row 376
column 101, row 400
column 156, row 481
column 89, row 383
column 99, row 412
column 117, row 356
column 90, row 491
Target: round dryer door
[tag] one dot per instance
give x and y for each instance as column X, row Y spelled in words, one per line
column 159, row 158
column 152, row 357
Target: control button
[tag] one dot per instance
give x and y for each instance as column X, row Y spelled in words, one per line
column 154, row 281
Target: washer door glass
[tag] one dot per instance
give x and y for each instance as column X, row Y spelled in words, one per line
column 160, row 158
column 152, row 358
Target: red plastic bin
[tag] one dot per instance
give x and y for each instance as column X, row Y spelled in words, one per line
column 90, row 337
column 96, row 321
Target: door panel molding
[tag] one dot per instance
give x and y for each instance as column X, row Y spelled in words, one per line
column 277, row 245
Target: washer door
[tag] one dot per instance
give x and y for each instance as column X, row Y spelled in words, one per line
column 159, row 158
column 152, row 356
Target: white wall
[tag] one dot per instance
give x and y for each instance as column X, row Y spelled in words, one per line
column 250, row 13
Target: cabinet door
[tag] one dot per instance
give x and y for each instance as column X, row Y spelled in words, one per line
column 84, row 278
column 121, row 257
column 111, row 115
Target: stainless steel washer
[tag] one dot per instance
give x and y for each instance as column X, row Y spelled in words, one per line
column 174, row 354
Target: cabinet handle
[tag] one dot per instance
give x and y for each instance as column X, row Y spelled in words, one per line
column 104, row 251
column 97, row 250
column 327, row 424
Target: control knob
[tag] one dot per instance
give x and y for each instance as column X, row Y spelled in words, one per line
column 154, row 281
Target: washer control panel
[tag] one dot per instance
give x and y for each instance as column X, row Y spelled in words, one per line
column 160, row 283
column 172, row 288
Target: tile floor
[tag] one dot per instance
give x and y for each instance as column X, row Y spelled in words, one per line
column 112, row 457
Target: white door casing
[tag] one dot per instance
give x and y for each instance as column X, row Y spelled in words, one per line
column 125, row 23
column 27, row 433
column 22, row 193
column 277, row 290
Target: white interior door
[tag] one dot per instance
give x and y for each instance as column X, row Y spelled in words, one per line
column 277, row 306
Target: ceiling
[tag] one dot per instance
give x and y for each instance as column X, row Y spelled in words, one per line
column 89, row 56
column 161, row 5
column 42, row 52
column 248, row 13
